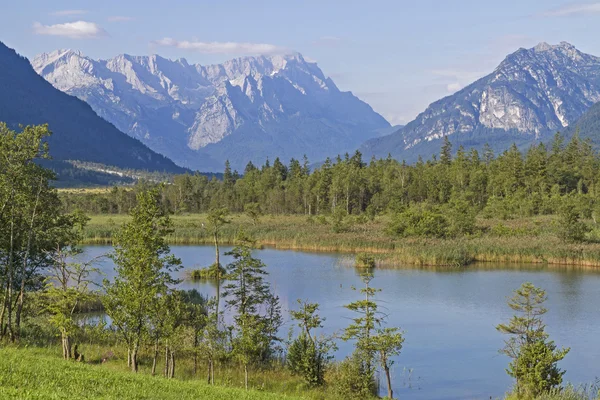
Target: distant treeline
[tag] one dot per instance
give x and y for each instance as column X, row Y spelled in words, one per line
column 511, row 184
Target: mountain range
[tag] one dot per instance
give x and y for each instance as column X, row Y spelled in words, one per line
column 246, row 109
column 78, row 132
column 532, row 94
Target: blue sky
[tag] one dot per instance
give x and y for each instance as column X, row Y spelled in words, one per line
column 399, row 56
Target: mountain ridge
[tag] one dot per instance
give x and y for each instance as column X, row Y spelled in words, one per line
column 244, row 109
column 530, row 94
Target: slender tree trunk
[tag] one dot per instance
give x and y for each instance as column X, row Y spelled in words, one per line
column 25, row 260
column 10, row 282
column 2, row 313
column 212, row 371
column 246, row 376
column 154, row 359
column 218, row 265
column 134, row 353
column 389, row 381
column 208, row 372
column 66, row 344
column 128, row 357
column 166, row 369
column 172, row 366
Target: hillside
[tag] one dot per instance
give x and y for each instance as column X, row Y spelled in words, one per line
column 587, row 127
column 245, row 109
column 78, row 132
column 529, row 96
column 29, row 374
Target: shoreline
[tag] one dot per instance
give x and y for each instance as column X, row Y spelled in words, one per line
column 390, row 258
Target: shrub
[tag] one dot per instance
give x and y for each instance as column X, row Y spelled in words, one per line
column 461, row 218
column 340, row 222
column 350, row 381
column 419, row 221
column 308, row 360
column 570, row 228
column 365, row 260
column 207, row 273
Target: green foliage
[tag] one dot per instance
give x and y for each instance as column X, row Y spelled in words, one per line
column 143, row 265
column 309, row 355
column 350, row 380
column 253, row 211
column 340, row 221
column 461, row 217
column 534, row 357
column 570, row 227
column 365, row 260
column 256, row 311
column 536, row 368
column 420, row 222
column 209, row 273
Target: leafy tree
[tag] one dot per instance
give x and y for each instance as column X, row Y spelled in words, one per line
column 387, row 343
column 217, row 218
column 256, row 311
column 252, row 210
column 68, row 286
column 362, row 327
column 31, row 224
column 211, row 342
column 143, row 264
column 308, row 354
column 571, row 228
column 534, row 356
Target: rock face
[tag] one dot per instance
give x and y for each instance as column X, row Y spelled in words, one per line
column 532, row 93
column 78, row 132
column 246, row 109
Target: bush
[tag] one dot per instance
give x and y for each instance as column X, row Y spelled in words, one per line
column 350, row 381
column 305, row 359
column 207, row 273
column 461, row 218
column 365, row 260
column 419, row 221
column 321, row 219
column 570, row 228
column 340, row 223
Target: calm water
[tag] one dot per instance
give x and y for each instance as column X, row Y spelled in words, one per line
column 449, row 317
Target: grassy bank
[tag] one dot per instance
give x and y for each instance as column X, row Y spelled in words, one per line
column 531, row 240
column 36, row 374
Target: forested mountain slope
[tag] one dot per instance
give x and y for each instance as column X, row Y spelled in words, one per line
column 78, row 132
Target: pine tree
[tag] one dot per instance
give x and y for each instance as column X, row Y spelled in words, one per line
column 534, row 356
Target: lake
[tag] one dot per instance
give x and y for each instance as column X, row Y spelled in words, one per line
column 448, row 315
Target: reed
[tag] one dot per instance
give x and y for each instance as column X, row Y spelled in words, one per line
column 528, row 240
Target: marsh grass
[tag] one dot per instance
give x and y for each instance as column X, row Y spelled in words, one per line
column 527, row 240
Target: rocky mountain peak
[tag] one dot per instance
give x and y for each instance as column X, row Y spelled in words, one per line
column 279, row 105
column 532, row 93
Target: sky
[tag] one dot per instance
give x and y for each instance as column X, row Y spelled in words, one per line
column 399, row 56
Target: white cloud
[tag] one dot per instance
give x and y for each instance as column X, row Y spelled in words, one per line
column 222, row 47
column 573, row 10
column 63, row 13
column 453, row 87
column 119, row 18
column 74, row 30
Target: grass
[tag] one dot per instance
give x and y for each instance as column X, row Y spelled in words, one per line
column 528, row 240
column 29, row 374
